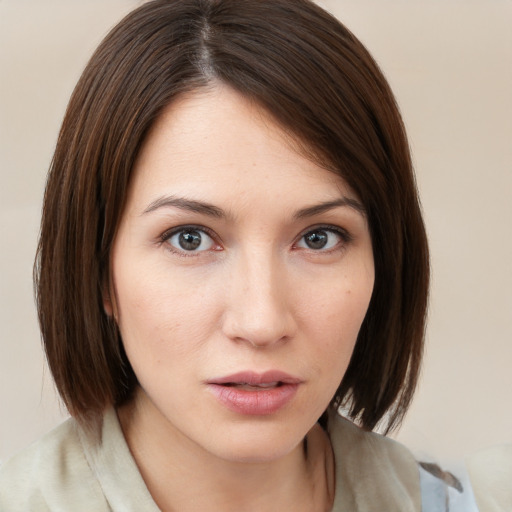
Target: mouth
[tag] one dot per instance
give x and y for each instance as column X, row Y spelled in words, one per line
column 251, row 393
column 256, row 381
column 253, row 387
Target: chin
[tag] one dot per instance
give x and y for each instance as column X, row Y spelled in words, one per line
column 260, row 447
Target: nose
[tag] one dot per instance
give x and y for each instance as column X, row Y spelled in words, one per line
column 259, row 309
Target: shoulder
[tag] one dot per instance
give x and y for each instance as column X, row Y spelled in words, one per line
column 372, row 471
column 75, row 469
column 490, row 473
column 51, row 474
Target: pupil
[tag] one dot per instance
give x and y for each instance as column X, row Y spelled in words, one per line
column 316, row 240
column 190, row 240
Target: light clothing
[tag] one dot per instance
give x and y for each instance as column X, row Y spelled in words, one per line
column 490, row 472
column 72, row 470
column 373, row 473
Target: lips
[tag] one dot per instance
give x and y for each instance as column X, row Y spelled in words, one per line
column 254, row 387
column 252, row 393
column 268, row 378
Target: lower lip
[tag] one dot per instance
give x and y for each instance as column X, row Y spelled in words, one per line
column 261, row 402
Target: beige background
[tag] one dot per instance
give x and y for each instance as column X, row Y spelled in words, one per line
column 450, row 64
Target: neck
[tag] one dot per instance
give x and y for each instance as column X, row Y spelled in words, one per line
column 180, row 475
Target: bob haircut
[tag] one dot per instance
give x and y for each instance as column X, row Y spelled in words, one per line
column 321, row 85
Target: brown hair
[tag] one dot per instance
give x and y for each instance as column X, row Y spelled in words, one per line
column 321, row 84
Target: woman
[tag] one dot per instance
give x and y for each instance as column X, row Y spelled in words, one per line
column 231, row 249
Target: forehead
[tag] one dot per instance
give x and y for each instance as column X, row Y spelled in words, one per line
column 217, row 143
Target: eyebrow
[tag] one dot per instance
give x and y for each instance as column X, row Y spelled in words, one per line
column 185, row 204
column 317, row 209
column 214, row 211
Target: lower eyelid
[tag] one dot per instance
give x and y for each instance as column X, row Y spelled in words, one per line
column 342, row 234
column 166, row 236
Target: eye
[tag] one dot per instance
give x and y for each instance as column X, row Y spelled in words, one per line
column 188, row 239
column 322, row 239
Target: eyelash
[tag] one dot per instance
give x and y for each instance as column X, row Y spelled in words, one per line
column 167, row 235
column 343, row 234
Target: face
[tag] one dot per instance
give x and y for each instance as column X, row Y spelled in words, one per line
column 241, row 274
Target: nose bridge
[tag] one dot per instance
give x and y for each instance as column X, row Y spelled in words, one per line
column 258, row 310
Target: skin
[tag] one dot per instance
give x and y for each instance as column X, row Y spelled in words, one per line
column 253, row 296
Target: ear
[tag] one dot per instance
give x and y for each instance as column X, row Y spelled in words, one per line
column 107, row 303
column 108, row 296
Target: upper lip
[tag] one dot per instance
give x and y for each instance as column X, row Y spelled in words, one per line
column 255, row 378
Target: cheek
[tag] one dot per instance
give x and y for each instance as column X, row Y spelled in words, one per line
column 160, row 317
column 341, row 305
column 336, row 316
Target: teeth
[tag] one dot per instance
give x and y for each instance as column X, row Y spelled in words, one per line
column 251, row 387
